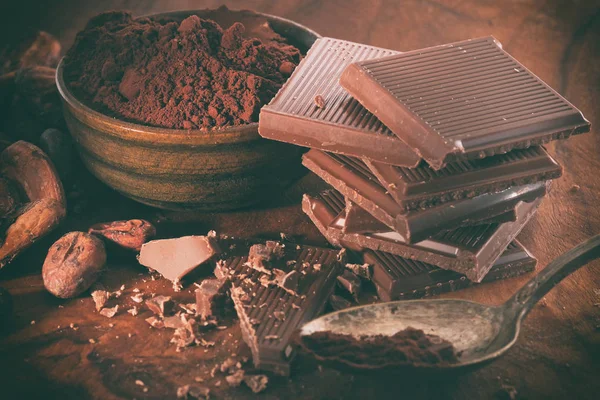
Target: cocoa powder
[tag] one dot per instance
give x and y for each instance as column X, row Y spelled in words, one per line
column 409, row 347
column 176, row 74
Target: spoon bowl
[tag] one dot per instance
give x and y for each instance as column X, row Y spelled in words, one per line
column 478, row 332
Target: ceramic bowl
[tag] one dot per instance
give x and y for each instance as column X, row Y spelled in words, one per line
column 176, row 169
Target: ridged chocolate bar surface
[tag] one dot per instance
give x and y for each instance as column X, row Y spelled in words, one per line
column 423, row 186
column 399, row 278
column 466, row 99
column 342, row 124
column 269, row 315
column 354, row 180
column 471, row 251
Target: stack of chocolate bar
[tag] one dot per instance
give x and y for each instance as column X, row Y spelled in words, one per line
column 435, row 156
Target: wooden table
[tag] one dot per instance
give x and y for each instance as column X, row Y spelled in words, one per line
column 558, row 352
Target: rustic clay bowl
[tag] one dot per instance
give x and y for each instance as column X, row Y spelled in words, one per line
column 187, row 169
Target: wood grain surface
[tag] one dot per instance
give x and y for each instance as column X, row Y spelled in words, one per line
column 558, row 352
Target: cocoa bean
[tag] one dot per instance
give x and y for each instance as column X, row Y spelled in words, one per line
column 130, row 234
column 73, row 264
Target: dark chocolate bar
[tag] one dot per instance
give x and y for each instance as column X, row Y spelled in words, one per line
column 466, row 99
column 423, row 187
column 336, row 122
column 468, row 250
column 397, row 278
column 355, row 181
column 269, row 315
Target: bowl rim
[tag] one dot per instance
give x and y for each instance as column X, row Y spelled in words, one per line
column 122, row 129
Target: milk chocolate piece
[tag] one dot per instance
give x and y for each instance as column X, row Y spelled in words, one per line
column 355, row 181
column 341, row 125
column 471, row 250
column 424, row 187
column 260, row 308
column 208, row 297
column 397, row 278
column 466, row 99
column 175, row 258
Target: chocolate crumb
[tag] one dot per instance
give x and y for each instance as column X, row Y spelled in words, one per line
column 100, row 298
column 235, row 379
column 138, row 298
column 257, row 383
column 109, row 312
column 227, row 365
column 319, row 101
column 279, row 315
column 574, row 189
column 160, row 305
column 133, row 311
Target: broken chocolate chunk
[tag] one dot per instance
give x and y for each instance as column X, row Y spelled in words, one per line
column 109, row 312
column 260, row 307
column 260, row 256
column 160, row 305
column 208, row 297
column 175, row 258
column 352, row 283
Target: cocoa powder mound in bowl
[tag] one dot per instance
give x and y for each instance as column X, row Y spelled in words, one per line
column 220, row 163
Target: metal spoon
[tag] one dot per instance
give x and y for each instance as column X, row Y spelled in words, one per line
column 478, row 332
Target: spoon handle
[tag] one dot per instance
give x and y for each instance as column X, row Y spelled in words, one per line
column 524, row 300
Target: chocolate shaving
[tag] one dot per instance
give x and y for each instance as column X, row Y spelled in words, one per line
column 160, row 305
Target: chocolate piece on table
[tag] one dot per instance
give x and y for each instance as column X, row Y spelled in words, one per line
column 175, row 258
column 269, row 315
column 339, row 303
column 397, row 278
column 343, row 126
column 350, row 282
column 468, row 250
column 208, row 297
column 424, row 187
column 466, row 99
column 355, row 181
